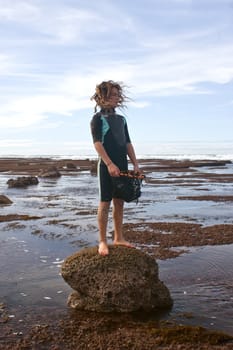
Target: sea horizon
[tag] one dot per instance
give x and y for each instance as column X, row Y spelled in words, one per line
column 164, row 150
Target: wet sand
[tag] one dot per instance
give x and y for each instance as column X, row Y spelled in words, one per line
column 29, row 326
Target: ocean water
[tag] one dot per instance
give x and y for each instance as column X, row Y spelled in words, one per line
column 32, row 251
column 191, row 150
column 161, row 150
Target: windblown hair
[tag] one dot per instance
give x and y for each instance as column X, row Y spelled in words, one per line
column 103, row 91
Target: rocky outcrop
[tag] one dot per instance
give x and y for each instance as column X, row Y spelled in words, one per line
column 93, row 169
column 126, row 280
column 50, row 172
column 4, row 200
column 70, row 166
column 23, row 181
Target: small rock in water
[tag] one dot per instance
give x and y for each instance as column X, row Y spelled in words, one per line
column 23, row 181
column 51, row 172
column 4, row 200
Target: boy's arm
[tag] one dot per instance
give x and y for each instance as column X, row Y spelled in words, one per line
column 112, row 168
column 132, row 156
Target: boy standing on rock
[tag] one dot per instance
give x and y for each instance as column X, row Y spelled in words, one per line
column 113, row 145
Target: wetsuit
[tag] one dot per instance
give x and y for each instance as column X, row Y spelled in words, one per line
column 111, row 130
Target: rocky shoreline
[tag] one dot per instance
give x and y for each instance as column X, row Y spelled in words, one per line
column 161, row 240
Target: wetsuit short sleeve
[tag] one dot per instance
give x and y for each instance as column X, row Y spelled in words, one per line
column 127, row 133
column 96, row 128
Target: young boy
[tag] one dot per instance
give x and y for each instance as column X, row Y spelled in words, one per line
column 113, row 145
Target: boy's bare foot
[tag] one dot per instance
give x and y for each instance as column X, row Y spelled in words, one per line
column 124, row 243
column 103, row 248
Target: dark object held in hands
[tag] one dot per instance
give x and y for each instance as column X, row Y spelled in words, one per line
column 127, row 186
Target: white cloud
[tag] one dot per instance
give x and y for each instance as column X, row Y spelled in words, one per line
column 139, row 104
column 18, row 11
column 183, row 69
column 14, row 143
column 6, row 64
column 19, row 120
column 87, row 46
column 63, row 23
column 176, row 72
column 31, row 110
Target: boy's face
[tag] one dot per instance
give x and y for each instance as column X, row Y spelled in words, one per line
column 114, row 98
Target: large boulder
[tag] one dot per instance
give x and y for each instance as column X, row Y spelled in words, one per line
column 126, row 280
column 23, row 181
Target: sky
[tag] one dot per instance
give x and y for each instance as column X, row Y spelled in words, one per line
column 174, row 56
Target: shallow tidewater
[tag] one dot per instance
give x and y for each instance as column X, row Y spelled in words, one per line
column 32, row 251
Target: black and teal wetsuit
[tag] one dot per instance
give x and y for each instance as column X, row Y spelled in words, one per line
column 111, row 130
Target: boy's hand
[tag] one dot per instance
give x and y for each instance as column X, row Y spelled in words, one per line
column 136, row 169
column 113, row 170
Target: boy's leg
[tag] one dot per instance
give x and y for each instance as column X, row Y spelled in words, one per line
column 117, row 212
column 103, row 210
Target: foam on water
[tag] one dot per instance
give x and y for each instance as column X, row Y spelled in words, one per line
column 161, row 150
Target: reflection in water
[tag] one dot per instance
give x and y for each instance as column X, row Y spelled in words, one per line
column 201, row 286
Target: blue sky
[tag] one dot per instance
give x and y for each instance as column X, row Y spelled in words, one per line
column 175, row 56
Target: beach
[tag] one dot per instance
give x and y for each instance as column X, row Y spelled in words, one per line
column 183, row 219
